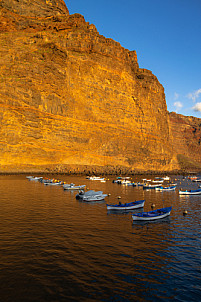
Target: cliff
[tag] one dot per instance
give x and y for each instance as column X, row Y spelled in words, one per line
column 73, row 99
column 187, row 140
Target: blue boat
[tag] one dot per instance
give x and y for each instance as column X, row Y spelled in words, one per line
column 126, row 206
column 152, row 215
column 190, row 192
column 170, row 188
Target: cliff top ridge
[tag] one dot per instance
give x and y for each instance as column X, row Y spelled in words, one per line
column 35, row 8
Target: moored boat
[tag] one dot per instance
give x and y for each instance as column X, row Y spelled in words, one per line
column 73, row 187
column 32, row 178
column 83, row 194
column 190, row 192
column 94, row 197
column 55, row 183
column 126, row 206
column 170, row 188
column 149, row 186
column 96, row 178
column 152, row 215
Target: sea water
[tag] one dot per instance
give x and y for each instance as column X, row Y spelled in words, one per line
column 56, row 248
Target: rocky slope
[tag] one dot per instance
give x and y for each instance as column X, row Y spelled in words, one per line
column 72, row 99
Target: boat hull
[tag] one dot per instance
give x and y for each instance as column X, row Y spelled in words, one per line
column 152, row 215
column 94, row 198
column 74, row 187
column 196, row 192
column 124, row 207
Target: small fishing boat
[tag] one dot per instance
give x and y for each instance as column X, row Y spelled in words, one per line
column 96, row 178
column 83, row 194
column 190, row 192
column 170, row 188
column 126, row 206
column 158, row 181
column 54, row 183
column 94, row 197
column 73, row 187
column 32, row 178
column 149, row 186
column 152, row 215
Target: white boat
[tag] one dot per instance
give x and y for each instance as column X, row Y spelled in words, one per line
column 73, row 187
column 81, row 194
column 166, row 178
column 94, row 197
column 32, row 178
column 158, row 181
column 190, row 192
column 96, row 178
column 125, row 182
column 149, row 186
column 152, row 215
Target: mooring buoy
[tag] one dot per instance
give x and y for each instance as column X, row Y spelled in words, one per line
column 185, row 212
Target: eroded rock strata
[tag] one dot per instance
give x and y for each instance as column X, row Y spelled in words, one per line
column 70, row 97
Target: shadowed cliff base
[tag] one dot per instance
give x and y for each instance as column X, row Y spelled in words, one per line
column 187, row 167
column 188, row 164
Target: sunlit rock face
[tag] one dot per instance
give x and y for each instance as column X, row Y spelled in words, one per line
column 73, row 99
column 35, row 8
column 187, row 138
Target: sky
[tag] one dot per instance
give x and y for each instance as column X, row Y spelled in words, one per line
column 166, row 35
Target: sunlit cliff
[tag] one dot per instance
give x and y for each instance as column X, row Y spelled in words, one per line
column 71, row 99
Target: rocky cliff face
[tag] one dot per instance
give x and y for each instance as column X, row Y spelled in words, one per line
column 69, row 96
column 187, row 140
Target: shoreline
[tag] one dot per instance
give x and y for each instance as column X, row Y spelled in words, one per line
column 34, row 173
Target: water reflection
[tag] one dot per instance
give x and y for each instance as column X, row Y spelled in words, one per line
column 56, row 248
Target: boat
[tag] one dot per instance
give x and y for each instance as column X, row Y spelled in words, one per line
column 99, row 197
column 126, row 206
column 125, row 182
column 190, row 192
column 192, row 177
column 166, row 178
column 73, row 187
column 149, row 186
column 152, row 215
column 197, row 180
column 82, row 194
column 96, row 178
column 158, row 181
column 32, row 178
column 170, row 188
column 55, row 183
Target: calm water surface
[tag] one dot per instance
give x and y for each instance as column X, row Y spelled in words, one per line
column 56, row 248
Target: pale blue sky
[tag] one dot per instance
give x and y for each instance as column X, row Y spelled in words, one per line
column 166, row 35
